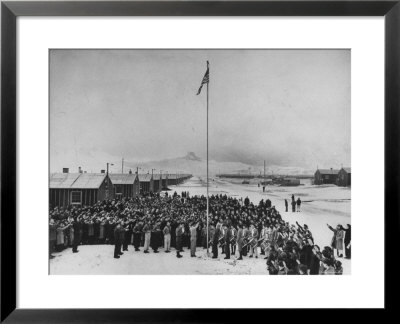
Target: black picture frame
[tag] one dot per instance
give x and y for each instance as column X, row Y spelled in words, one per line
column 10, row 10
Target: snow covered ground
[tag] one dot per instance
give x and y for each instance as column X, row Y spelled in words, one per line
column 321, row 205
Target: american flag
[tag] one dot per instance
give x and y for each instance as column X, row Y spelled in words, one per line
column 205, row 80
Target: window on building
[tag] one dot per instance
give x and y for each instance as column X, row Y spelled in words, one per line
column 76, row 197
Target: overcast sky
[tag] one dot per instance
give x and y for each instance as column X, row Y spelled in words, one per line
column 289, row 107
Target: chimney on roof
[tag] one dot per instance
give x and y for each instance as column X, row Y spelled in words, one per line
column 65, row 170
column 80, row 170
column 130, row 171
column 331, row 169
column 103, row 171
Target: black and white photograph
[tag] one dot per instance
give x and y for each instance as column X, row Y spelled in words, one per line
column 200, row 162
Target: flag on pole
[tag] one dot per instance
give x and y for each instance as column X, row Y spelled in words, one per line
column 205, row 80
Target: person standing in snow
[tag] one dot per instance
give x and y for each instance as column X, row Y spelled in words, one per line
column 193, row 239
column 167, row 237
column 298, row 202
column 293, row 206
column 179, row 233
column 118, row 239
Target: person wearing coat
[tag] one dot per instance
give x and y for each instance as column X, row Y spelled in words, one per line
column 60, row 237
column 167, row 237
column 347, row 242
column 233, row 238
column 77, row 235
column 215, row 242
column 253, row 236
column 179, row 233
column 337, row 239
column 155, row 241
column 315, row 262
column 137, row 235
column 227, row 238
column 52, row 236
column 333, row 241
column 90, row 232
column 204, row 237
column 128, row 236
column 147, row 236
column 240, row 240
column 193, row 239
column 102, row 232
column 119, row 236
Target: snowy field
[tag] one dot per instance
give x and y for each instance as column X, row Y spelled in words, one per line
column 321, row 205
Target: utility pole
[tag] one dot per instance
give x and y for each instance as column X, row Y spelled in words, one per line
column 108, row 165
column 122, row 165
column 107, row 192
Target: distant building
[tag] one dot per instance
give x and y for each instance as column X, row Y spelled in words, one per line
column 290, row 182
column 344, row 177
column 146, row 183
column 126, row 185
column 80, row 189
column 172, row 180
column 325, row 176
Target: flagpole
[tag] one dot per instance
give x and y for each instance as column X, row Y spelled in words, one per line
column 207, row 160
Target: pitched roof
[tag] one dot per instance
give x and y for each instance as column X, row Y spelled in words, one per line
column 122, row 178
column 76, row 180
column 348, row 170
column 144, row 177
column 157, row 176
column 328, row 171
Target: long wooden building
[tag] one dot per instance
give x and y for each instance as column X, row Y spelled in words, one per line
column 146, row 183
column 80, row 189
column 344, row 177
column 126, row 185
column 326, row 176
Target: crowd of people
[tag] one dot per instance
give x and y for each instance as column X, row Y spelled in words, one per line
column 236, row 227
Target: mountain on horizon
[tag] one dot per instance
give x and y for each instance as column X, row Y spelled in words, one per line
column 193, row 164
